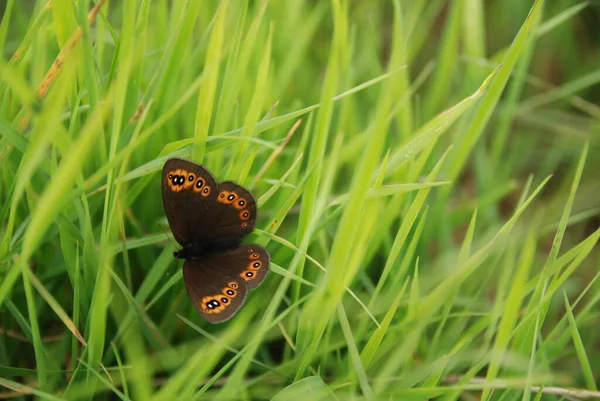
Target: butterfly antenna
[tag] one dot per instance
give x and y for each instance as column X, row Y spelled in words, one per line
column 167, row 235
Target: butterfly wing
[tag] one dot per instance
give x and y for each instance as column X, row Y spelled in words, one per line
column 215, row 295
column 249, row 262
column 217, row 284
column 189, row 194
column 235, row 211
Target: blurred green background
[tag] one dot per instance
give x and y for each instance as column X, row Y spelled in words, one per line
column 428, row 183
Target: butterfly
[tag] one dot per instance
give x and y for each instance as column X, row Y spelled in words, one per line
column 209, row 220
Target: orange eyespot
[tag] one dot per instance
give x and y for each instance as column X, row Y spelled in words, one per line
column 176, row 180
column 222, row 198
column 229, row 198
column 198, row 185
column 247, row 275
column 244, row 225
column 255, row 255
column 229, row 292
column 206, row 191
column 240, row 203
column 255, row 265
column 232, row 284
column 189, row 182
column 214, row 304
column 244, row 214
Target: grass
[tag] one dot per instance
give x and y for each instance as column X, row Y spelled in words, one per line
column 427, row 182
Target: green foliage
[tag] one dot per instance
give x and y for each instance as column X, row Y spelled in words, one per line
column 427, row 181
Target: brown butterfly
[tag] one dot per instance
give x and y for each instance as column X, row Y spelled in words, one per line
column 209, row 220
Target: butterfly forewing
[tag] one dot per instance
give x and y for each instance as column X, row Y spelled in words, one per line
column 236, row 211
column 189, row 194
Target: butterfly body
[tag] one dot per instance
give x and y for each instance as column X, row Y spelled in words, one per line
column 209, row 220
column 201, row 250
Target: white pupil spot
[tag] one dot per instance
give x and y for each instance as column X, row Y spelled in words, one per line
column 249, row 274
column 230, row 197
column 256, row 264
column 224, row 300
column 229, row 292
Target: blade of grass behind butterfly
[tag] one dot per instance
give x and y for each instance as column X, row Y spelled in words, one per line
column 300, row 32
column 584, row 362
column 511, row 102
column 405, row 115
column 17, row 89
column 440, row 85
column 243, row 48
column 267, row 195
column 121, row 369
column 291, row 246
column 423, row 141
column 55, row 306
column 276, row 152
column 558, row 336
column 407, row 223
column 98, row 310
column 242, row 162
column 106, row 382
column 359, row 368
column 316, row 155
column 482, row 115
column 141, row 371
column 320, row 203
column 164, row 86
column 43, row 134
column 341, row 270
column 436, row 299
column 511, row 309
column 454, row 333
column 369, row 350
column 206, row 95
column 33, row 28
column 36, row 149
column 149, row 284
column 152, row 333
column 543, row 292
column 24, row 389
column 203, row 360
column 463, row 255
column 90, row 81
column 221, row 344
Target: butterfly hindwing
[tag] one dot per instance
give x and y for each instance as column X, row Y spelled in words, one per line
column 249, row 262
column 189, row 194
column 215, row 295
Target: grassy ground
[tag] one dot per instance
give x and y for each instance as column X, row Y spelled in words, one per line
column 427, row 179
